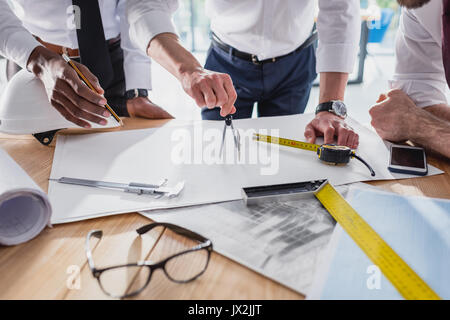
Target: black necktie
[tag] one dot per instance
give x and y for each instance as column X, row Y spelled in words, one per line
column 94, row 52
column 446, row 39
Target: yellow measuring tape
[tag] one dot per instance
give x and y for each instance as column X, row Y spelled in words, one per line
column 287, row 142
column 328, row 153
column 403, row 278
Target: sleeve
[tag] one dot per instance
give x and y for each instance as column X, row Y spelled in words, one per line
column 16, row 42
column 148, row 18
column 136, row 65
column 339, row 28
column 419, row 70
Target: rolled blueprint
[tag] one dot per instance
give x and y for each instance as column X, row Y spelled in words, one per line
column 24, row 208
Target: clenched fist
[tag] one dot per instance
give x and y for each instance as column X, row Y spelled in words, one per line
column 394, row 115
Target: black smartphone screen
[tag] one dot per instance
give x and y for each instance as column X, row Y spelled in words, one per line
column 408, row 157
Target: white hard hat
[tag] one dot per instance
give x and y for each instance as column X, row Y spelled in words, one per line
column 26, row 109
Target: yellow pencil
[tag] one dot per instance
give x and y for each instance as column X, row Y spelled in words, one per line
column 70, row 62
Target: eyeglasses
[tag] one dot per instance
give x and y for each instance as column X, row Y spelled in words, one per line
column 122, row 281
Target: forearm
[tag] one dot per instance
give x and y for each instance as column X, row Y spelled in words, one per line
column 208, row 88
column 328, row 124
column 442, row 111
column 332, row 86
column 39, row 58
column 432, row 133
column 16, row 42
column 167, row 50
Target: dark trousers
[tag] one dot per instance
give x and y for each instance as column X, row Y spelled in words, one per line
column 280, row 88
column 114, row 93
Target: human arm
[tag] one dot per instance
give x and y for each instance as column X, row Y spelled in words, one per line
column 442, row 111
column 433, row 134
column 65, row 90
column 416, row 109
column 419, row 70
column 137, row 70
column 16, row 42
column 338, row 26
column 396, row 118
column 153, row 31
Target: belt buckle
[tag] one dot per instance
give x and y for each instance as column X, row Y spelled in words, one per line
column 255, row 59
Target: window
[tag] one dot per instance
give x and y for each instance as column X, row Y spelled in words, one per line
column 193, row 25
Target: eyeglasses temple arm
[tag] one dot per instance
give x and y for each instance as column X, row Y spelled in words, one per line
column 93, row 233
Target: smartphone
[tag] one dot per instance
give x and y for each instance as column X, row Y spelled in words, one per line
column 407, row 159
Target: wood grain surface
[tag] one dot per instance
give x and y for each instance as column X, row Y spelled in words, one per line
column 45, row 267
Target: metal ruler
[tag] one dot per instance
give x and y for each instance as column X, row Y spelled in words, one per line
column 403, row 278
column 134, row 187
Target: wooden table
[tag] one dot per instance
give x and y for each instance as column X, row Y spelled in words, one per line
column 44, row 267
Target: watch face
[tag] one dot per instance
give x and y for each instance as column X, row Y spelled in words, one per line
column 339, row 108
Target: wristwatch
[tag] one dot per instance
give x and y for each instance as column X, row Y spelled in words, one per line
column 337, row 107
column 134, row 93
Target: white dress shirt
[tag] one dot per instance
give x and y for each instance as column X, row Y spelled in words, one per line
column 266, row 28
column 54, row 22
column 419, row 70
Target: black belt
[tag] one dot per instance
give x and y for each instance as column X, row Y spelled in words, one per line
column 73, row 52
column 252, row 57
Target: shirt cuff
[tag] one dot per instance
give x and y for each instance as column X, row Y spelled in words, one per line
column 19, row 47
column 138, row 75
column 336, row 57
column 424, row 94
column 148, row 26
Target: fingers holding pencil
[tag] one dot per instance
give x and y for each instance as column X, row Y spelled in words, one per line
column 66, row 91
column 92, row 82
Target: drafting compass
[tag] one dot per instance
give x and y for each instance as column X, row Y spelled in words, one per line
column 236, row 135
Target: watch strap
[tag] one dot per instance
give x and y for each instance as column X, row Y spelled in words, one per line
column 134, row 93
column 325, row 106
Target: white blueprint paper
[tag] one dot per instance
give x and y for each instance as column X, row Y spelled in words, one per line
column 281, row 240
column 148, row 155
column 417, row 228
column 24, row 207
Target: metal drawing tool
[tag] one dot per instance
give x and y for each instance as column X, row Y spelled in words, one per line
column 134, row 187
column 236, row 135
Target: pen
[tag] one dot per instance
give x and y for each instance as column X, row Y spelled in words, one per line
column 86, row 81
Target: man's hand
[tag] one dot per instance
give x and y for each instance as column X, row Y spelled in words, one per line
column 394, row 115
column 142, row 107
column 66, row 92
column 210, row 89
column 328, row 125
